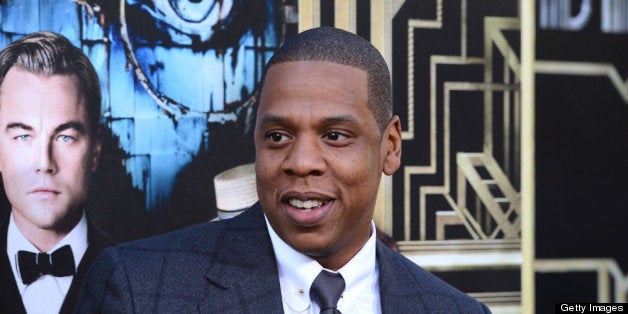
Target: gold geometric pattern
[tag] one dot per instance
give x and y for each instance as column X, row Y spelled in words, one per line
column 585, row 69
column 505, row 222
column 605, row 269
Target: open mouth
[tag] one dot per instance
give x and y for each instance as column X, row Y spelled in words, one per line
column 307, row 205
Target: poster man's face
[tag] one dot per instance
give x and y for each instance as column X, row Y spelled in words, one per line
column 47, row 152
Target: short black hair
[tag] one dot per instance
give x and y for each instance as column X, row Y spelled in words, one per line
column 342, row 47
column 49, row 53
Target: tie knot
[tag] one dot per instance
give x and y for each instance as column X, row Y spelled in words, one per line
column 44, row 264
column 326, row 290
column 32, row 265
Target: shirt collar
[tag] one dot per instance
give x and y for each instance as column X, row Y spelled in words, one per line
column 297, row 271
column 16, row 241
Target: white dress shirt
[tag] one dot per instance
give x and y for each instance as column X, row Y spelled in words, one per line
column 297, row 271
column 46, row 294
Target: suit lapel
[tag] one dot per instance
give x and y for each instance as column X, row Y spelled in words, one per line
column 398, row 290
column 10, row 298
column 244, row 270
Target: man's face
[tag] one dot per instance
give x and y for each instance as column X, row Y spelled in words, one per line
column 46, row 150
column 319, row 157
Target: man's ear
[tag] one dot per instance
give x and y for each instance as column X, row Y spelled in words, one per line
column 391, row 142
column 97, row 149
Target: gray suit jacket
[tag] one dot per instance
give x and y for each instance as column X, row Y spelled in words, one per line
column 229, row 267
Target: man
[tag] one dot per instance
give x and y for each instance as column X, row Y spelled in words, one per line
column 324, row 134
column 49, row 147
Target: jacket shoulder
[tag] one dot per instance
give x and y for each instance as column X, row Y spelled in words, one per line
column 408, row 287
column 179, row 269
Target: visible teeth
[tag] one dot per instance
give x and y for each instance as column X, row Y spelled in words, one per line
column 305, row 206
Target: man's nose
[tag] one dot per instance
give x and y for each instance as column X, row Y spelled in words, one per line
column 305, row 158
column 46, row 162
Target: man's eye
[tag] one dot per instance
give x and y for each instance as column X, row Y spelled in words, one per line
column 23, row 138
column 335, row 136
column 65, row 138
column 276, row 137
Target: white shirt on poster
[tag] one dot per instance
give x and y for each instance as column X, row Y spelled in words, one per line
column 47, row 293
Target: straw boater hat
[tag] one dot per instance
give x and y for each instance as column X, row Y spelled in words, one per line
column 235, row 190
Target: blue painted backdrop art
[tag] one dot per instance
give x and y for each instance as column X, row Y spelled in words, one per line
column 178, row 81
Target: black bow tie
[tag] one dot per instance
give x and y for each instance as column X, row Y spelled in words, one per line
column 32, row 265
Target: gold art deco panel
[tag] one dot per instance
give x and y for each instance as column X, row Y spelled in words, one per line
column 581, row 100
column 461, row 111
column 456, row 199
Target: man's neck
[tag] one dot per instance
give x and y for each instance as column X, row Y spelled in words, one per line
column 44, row 239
